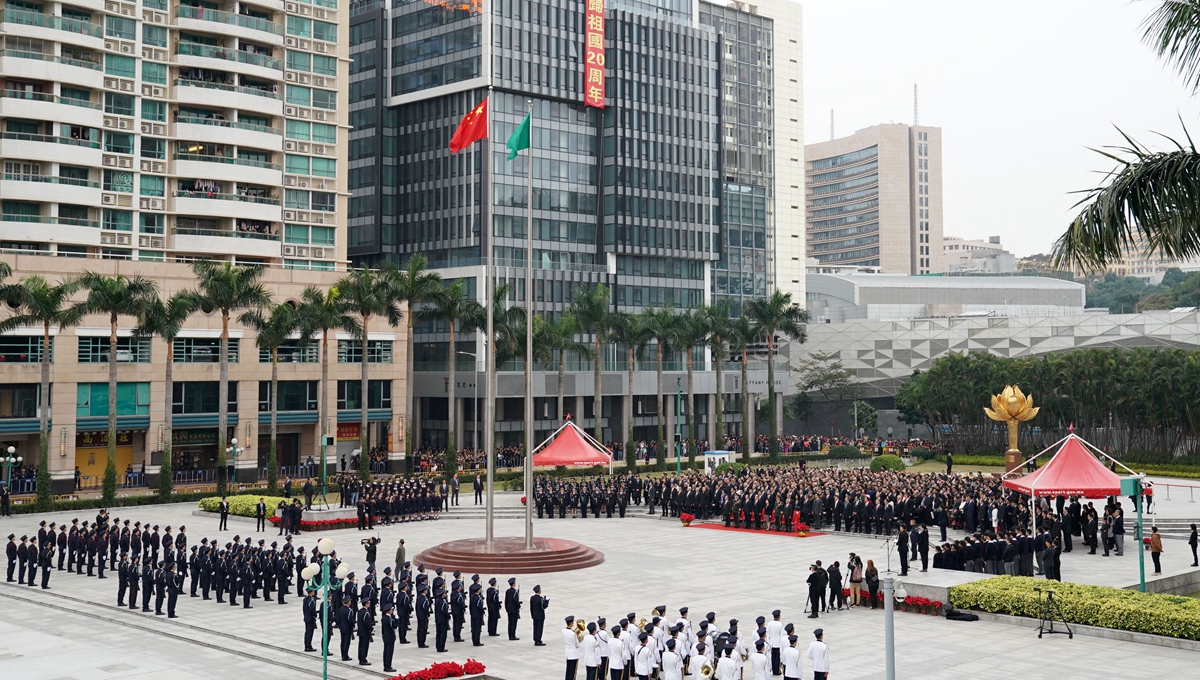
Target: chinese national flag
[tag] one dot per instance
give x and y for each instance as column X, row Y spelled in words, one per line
column 472, row 128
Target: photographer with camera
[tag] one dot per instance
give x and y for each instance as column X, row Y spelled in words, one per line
column 370, row 545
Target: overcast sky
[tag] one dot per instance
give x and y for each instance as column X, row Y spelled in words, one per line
column 1020, row 89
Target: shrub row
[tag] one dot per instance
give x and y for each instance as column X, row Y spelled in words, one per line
column 243, row 505
column 888, row 462
column 1101, row 606
column 125, row 502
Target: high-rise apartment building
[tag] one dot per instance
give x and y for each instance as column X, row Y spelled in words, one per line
column 169, row 131
column 666, row 195
column 875, row 199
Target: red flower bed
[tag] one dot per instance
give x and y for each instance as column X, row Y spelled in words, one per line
column 803, row 527
column 687, row 517
column 445, row 669
column 323, row 524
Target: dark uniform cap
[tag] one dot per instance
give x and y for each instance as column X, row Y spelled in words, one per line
column 512, row 581
column 408, row 564
column 642, row 637
column 438, row 571
column 683, row 610
column 274, row 544
column 537, row 589
column 792, row 639
column 11, row 536
column 818, row 632
column 570, row 619
column 457, row 573
column 475, row 587
column 732, row 622
column 601, row 621
column 789, row 628
column 492, row 581
column 181, row 528
column 671, row 643
column 42, row 524
column 156, row 527
column 631, row 616
column 760, row 620
column 776, row 613
column 700, row 647
column 475, row 577
column 710, row 615
column 759, row 644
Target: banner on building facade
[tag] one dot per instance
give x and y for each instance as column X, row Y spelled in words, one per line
column 593, row 67
column 348, row 432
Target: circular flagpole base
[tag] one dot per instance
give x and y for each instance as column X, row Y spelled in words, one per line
column 510, row 556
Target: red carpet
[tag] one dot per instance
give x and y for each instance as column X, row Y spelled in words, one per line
column 722, row 527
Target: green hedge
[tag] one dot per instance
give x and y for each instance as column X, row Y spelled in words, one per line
column 735, row 468
column 844, row 452
column 970, row 459
column 921, row 453
column 1102, row 606
column 123, row 502
column 888, row 462
column 243, row 505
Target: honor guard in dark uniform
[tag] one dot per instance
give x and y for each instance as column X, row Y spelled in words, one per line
column 476, row 607
column 122, row 579
column 441, row 619
column 174, row 587
column 160, row 588
column 424, row 609
column 404, row 610
column 537, row 612
column 10, row 553
column 512, row 607
column 194, row 567
column 458, row 608
column 47, row 561
column 63, row 542
column 388, row 625
column 32, row 556
column 301, row 563
column 147, row 577
column 366, row 630
column 493, row 608
column 283, row 575
column 345, row 624
column 133, row 575
column 309, row 608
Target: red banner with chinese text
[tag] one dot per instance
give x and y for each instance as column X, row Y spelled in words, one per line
column 593, row 67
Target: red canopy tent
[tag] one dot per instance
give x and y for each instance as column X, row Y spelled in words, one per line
column 1073, row 471
column 572, row 447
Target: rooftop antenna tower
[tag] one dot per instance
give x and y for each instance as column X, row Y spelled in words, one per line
column 916, row 108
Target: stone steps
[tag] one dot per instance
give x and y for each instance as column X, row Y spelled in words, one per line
column 509, row 556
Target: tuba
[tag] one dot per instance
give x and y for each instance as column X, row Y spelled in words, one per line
column 706, row 670
column 580, row 629
column 642, row 624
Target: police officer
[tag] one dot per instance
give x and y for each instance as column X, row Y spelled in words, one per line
column 133, row 573
column 537, row 612
column 476, row 607
column 493, row 608
column 310, row 619
column 366, row 629
column 458, row 608
column 345, row 623
column 389, row 624
column 122, row 579
column 441, row 620
column 10, row 552
column 174, row 587
column 424, row 608
column 512, row 607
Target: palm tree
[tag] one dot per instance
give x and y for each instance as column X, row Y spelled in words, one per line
column 36, row 302
column 271, row 331
column 690, row 331
column 592, row 309
column 554, row 339
column 720, row 328
column 508, row 325
column 115, row 296
column 165, row 319
column 412, row 287
column 366, row 294
column 776, row 315
column 631, row 331
column 320, row 312
column 661, row 324
column 1151, row 201
column 453, row 306
column 742, row 334
column 227, row 289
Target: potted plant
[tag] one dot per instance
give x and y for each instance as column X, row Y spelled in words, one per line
column 802, row 529
column 686, row 518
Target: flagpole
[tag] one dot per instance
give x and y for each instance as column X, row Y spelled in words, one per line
column 529, row 338
column 489, row 355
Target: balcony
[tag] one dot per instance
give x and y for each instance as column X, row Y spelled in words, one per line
column 220, row 242
column 37, row 229
column 48, row 67
column 222, row 95
column 232, row 169
column 41, row 106
column 21, row 187
column 50, row 27
column 254, row 27
column 203, row 56
column 221, row 131
column 50, row 148
column 236, row 206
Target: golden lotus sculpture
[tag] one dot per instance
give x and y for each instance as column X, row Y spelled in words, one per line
column 1013, row 407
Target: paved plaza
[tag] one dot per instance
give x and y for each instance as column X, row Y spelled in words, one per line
column 75, row 630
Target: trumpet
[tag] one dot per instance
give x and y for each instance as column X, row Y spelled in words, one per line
column 642, row 624
column 580, row 629
column 706, row 670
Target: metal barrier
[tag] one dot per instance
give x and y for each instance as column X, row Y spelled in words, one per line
column 124, row 481
column 22, row 486
column 194, row 476
column 1191, row 490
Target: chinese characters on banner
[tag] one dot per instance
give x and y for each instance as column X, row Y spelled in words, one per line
column 593, row 68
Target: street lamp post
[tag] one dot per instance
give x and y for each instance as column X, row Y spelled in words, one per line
column 890, row 591
column 324, row 586
column 475, row 438
column 234, row 451
column 8, row 463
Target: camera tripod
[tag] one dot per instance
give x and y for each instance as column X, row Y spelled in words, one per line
column 1050, row 614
